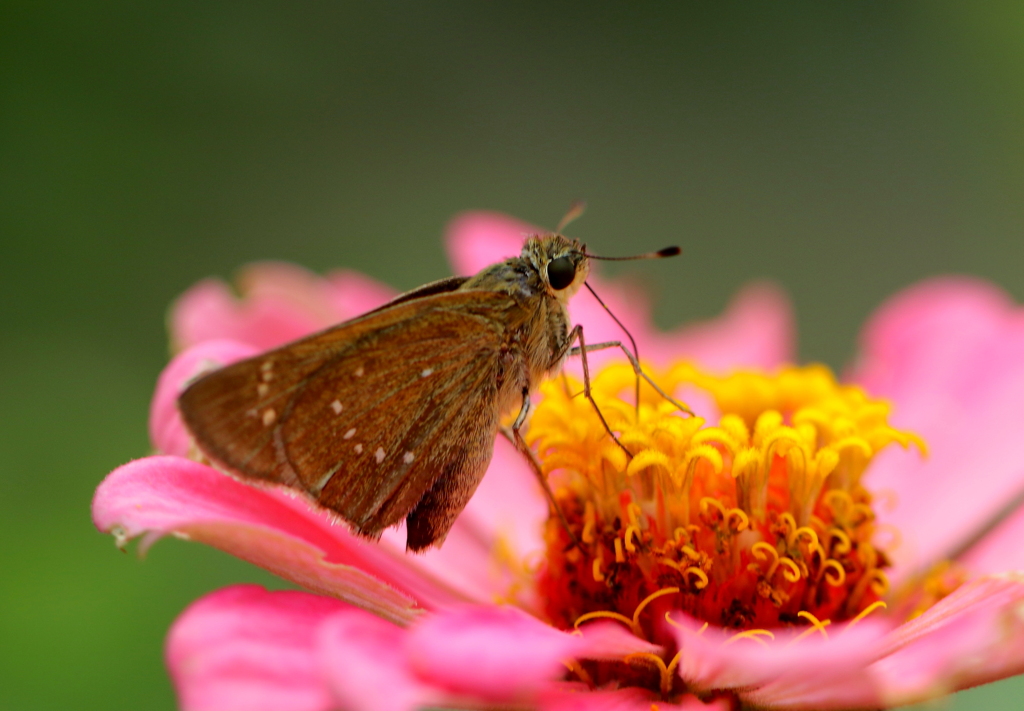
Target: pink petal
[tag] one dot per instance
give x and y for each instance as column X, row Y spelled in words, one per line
column 363, row 660
column 628, row 699
column 274, row 529
column 712, row 659
column 974, row 636
column 950, row 354
column 1000, row 550
column 279, row 303
column 243, row 648
column 756, row 331
column 503, row 654
column 479, row 239
column 166, row 430
column 353, row 293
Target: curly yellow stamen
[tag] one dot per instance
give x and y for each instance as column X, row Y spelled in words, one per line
column 647, row 601
column 659, row 663
column 806, row 534
column 631, row 531
column 876, row 605
column 701, row 577
column 816, row 626
column 790, row 571
column 589, row 522
column 690, row 553
column 605, row 614
column 633, row 514
column 789, row 526
column 753, row 635
column 843, row 547
column 680, row 535
column 833, row 565
column 708, row 502
column 763, row 551
column 742, row 520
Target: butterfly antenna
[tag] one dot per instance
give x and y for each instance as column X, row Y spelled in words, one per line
column 672, row 251
column 576, row 211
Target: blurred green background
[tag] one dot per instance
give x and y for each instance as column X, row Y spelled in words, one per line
column 842, row 150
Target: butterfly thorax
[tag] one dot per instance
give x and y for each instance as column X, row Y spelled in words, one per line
column 537, row 328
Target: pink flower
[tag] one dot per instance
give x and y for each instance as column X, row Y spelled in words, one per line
column 381, row 629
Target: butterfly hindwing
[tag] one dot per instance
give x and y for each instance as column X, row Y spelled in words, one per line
column 368, row 416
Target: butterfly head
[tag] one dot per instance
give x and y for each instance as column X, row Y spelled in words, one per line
column 561, row 262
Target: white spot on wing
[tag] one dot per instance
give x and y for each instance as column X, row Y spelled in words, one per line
column 379, row 455
column 359, row 449
column 269, row 415
column 359, row 372
column 425, row 372
column 348, row 435
column 262, row 389
column 266, row 365
column 408, row 457
column 336, row 406
column 267, row 376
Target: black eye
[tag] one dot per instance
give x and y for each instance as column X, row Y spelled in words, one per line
column 561, row 272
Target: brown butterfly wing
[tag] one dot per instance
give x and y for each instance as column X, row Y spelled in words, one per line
column 388, row 416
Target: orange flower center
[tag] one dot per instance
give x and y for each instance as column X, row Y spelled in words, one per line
column 755, row 522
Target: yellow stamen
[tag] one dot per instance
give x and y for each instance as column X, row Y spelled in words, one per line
column 604, row 614
column 806, row 534
column 701, row 577
column 628, row 538
column 816, row 626
column 671, row 670
column 647, row 600
column 832, row 565
column 588, row 526
column 659, row 663
column 690, row 553
column 753, row 635
column 763, row 551
column 844, row 546
column 790, row 571
column 876, row 605
column 742, row 521
column 581, row 673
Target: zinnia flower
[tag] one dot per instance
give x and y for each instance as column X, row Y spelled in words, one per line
column 789, row 547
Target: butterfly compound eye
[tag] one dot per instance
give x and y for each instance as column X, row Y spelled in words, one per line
column 561, row 273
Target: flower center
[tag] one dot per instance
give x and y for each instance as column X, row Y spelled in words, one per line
column 757, row 521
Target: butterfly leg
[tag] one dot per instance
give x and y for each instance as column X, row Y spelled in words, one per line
column 513, row 435
column 581, row 349
column 576, row 334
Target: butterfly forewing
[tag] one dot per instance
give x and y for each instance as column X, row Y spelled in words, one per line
column 319, row 414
